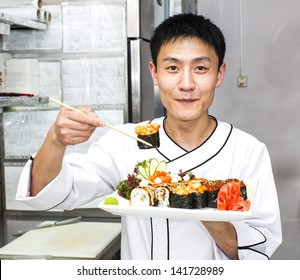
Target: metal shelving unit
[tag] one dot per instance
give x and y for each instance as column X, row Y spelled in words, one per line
column 22, row 101
column 13, row 22
column 7, row 23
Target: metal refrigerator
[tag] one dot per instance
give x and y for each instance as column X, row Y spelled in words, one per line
column 143, row 98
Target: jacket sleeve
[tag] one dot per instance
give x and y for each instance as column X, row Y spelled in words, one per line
column 83, row 177
column 260, row 234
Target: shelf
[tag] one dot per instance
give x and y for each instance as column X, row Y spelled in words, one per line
column 20, row 23
column 8, row 101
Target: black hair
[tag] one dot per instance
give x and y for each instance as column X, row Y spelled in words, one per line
column 188, row 26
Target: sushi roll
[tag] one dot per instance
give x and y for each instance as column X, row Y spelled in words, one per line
column 199, row 191
column 200, row 198
column 213, row 188
column 148, row 133
column 185, row 201
column 142, row 196
column 182, row 197
column 162, row 196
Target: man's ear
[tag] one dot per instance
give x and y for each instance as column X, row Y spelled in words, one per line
column 221, row 75
column 153, row 72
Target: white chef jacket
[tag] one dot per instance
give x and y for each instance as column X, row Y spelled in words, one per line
column 227, row 153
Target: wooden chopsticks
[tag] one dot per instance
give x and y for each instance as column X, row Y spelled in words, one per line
column 106, row 124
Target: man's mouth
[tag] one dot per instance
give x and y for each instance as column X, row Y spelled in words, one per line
column 186, row 101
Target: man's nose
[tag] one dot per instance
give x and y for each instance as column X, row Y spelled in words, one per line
column 186, row 81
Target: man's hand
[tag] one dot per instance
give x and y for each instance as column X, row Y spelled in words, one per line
column 225, row 236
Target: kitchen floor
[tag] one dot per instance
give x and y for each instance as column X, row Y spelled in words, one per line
column 289, row 200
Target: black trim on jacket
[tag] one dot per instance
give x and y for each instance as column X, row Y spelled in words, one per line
column 249, row 247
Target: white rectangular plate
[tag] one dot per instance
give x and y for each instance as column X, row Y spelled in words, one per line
column 205, row 214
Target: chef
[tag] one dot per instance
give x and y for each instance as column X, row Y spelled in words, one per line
column 187, row 66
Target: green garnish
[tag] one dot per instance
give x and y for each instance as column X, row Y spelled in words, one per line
column 111, row 201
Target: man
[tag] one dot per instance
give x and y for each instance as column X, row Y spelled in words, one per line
column 187, row 65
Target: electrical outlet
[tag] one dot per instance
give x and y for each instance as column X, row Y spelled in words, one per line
column 242, row 81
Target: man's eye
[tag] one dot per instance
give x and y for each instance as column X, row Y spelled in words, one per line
column 172, row 68
column 200, row 68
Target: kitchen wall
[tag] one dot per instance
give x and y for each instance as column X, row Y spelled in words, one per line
column 269, row 106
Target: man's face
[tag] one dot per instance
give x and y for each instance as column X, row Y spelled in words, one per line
column 187, row 74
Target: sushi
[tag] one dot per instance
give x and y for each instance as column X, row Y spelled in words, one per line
column 151, row 185
column 200, row 194
column 213, row 188
column 162, row 196
column 142, row 196
column 189, row 194
column 182, row 197
column 148, row 133
column 185, row 201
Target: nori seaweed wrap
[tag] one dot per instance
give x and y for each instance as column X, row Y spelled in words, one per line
column 212, row 198
column 148, row 133
column 185, row 201
column 153, row 139
column 243, row 189
column 200, row 200
column 213, row 188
